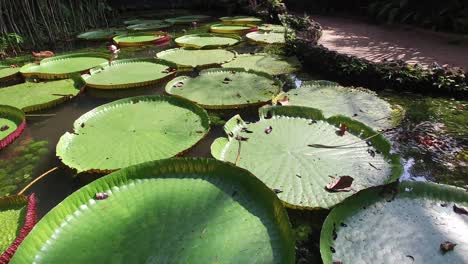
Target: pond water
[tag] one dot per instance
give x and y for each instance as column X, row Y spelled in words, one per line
column 432, row 140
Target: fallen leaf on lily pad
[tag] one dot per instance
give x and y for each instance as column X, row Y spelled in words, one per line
column 459, row 210
column 179, row 84
column 284, row 100
column 3, row 128
column 447, row 246
column 342, row 130
column 268, row 130
column 341, row 184
column 241, row 138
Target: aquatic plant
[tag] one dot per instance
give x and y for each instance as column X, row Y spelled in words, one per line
column 266, row 38
column 233, row 218
column 33, row 96
column 141, row 39
column 12, row 124
column 403, row 223
column 271, row 64
column 18, row 217
column 190, row 58
column 233, row 28
column 225, row 88
column 207, row 41
column 309, row 161
column 132, row 130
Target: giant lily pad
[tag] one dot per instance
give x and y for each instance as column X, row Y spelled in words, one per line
column 60, row 67
column 225, row 88
column 128, row 73
column 272, row 28
column 206, row 41
column 17, row 218
column 240, row 20
column 402, row 225
column 142, row 21
column 8, row 73
column 187, row 19
column 271, row 64
column 360, row 104
column 298, row 153
column 131, row 131
column 101, row 34
column 232, row 29
column 12, row 123
column 267, row 38
column 174, row 210
column 196, row 58
column 141, row 39
column 148, row 26
column 31, row 96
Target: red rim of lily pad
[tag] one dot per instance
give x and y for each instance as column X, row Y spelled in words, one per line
column 18, row 117
column 29, row 222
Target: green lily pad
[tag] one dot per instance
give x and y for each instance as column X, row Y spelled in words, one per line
column 60, row 67
column 148, row 26
column 360, row 104
column 207, row 41
column 31, row 96
column 298, row 153
column 12, row 123
column 8, row 73
column 272, row 28
column 17, row 218
column 240, row 20
column 101, row 34
column 128, row 73
column 196, row 58
column 232, row 29
column 271, row 64
column 187, row 19
column 267, row 38
column 140, row 39
column 225, row 88
column 176, row 210
column 131, row 131
column 405, row 224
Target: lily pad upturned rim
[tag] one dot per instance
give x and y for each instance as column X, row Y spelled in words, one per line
column 89, row 34
column 272, row 28
column 180, row 41
column 141, row 21
column 170, row 86
column 187, row 19
column 78, row 84
column 369, row 196
column 251, row 36
column 29, row 221
column 150, row 26
column 159, row 37
column 240, row 20
column 128, row 85
column 18, row 117
column 54, row 76
column 185, row 66
column 218, row 28
column 67, row 137
column 273, row 213
column 13, row 75
column 358, row 129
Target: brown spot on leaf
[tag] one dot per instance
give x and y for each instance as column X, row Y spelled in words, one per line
column 447, row 246
column 340, row 184
column 268, row 130
column 4, row 128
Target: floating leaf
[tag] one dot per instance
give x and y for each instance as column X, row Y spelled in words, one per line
column 61, row 67
column 272, row 28
column 271, row 64
column 141, row 39
column 150, row 25
column 225, row 88
column 240, row 20
column 12, row 122
column 132, row 130
column 233, row 218
column 340, row 184
column 333, row 99
column 232, row 29
column 187, row 19
column 128, row 73
column 196, row 58
column 8, row 73
column 207, row 41
column 266, row 38
column 277, row 158
column 101, row 34
column 409, row 227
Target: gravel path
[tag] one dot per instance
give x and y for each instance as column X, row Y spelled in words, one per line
column 376, row 43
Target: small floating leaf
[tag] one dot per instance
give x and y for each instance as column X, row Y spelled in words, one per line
column 268, row 130
column 340, row 184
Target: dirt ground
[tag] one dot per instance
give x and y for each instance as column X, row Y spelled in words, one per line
column 376, row 43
